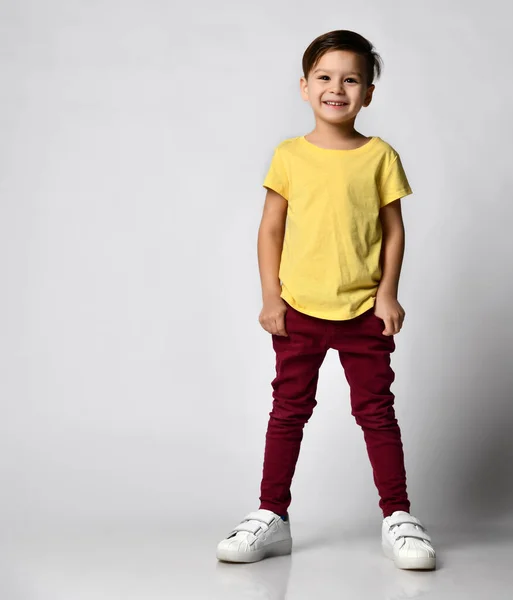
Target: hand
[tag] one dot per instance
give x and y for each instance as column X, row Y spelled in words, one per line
column 389, row 309
column 272, row 316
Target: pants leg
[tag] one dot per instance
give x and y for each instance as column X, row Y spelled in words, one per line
column 298, row 360
column 365, row 356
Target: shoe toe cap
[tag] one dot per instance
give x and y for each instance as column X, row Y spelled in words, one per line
column 414, row 548
column 234, row 544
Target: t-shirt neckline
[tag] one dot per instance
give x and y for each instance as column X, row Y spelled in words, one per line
column 343, row 150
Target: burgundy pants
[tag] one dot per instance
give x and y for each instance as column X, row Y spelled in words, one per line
column 365, row 356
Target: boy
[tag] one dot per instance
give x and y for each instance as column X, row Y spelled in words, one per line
column 330, row 250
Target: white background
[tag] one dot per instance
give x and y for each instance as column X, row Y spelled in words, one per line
column 135, row 377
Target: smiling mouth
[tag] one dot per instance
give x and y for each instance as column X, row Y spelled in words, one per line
column 335, row 104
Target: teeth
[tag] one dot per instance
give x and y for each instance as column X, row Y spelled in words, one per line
column 335, row 103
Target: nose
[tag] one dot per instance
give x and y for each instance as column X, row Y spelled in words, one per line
column 337, row 86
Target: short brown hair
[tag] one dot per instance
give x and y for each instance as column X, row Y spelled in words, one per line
column 342, row 39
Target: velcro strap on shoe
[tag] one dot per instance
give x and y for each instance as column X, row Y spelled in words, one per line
column 409, row 530
column 249, row 526
column 400, row 519
column 260, row 516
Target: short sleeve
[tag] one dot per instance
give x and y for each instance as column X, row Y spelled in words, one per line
column 395, row 183
column 277, row 178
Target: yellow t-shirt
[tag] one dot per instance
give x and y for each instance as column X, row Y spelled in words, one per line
column 330, row 265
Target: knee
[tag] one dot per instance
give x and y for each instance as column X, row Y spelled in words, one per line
column 380, row 418
column 291, row 413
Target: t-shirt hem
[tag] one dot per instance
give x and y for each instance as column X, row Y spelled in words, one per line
column 275, row 188
column 396, row 196
column 343, row 315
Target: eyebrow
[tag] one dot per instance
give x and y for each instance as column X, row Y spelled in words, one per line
column 329, row 71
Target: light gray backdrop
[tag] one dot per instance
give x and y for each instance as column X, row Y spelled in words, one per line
column 135, row 377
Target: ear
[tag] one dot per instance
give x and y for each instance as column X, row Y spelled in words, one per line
column 303, row 86
column 368, row 95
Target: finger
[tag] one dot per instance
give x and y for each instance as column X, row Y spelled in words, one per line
column 392, row 326
column 266, row 326
column 280, row 324
column 278, row 328
column 389, row 326
column 273, row 329
column 385, row 331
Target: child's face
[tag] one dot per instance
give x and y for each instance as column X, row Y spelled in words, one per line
column 339, row 75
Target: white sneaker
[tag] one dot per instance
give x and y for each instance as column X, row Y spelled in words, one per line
column 261, row 533
column 406, row 541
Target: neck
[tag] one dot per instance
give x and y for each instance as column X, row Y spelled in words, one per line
column 330, row 135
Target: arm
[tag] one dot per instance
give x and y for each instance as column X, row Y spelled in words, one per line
column 269, row 247
column 387, row 307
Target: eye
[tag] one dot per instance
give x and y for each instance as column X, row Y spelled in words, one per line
column 348, row 79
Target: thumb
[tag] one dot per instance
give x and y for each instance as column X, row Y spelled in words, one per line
column 280, row 323
column 388, row 327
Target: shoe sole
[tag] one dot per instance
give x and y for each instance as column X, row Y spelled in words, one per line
column 425, row 563
column 280, row 548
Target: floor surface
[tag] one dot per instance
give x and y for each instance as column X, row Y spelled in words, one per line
column 157, row 562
